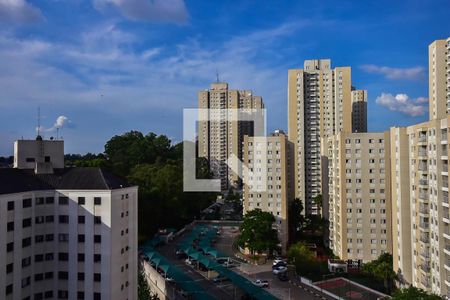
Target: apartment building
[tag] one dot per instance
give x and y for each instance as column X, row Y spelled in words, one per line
column 267, row 174
column 319, row 106
column 421, row 219
column 359, row 195
column 219, row 140
column 65, row 233
column 359, row 111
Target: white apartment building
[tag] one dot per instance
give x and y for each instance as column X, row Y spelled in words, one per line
column 319, row 106
column 65, row 233
column 219, row 140
column 268, row 183
column 359, row 195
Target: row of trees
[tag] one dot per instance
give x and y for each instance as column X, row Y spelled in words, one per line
column 156, row 166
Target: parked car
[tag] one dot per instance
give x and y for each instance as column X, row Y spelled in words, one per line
column 279, row 264
column 278, row 260
column 261, row 283
column 229, row 264
column 283, row 276
column 190, row 262
column 219, row 279
column 280, row 269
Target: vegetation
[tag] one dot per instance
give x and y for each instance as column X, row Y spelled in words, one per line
column 156, row 166
column 381, row 269
column 257, row 233
column 310, row 227
column 413, row 293
column 144, row 292
column 303, row 259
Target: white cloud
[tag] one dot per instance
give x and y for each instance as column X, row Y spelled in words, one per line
column 19, row 11
column 413, row 73
column 172, row 11
column 403, row 103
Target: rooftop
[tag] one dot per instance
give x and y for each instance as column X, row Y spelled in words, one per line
column 86, row 178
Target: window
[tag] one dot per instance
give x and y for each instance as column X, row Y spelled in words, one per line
column 39, row 277
column 63, row 294
column 39, row 257
column 97, row 257
column 48, row 294
column 97, row 238
column 81, row 200
column 63, row 256
column 49, row 256
column 97, row 277
column 63, row 200
column 9, row 289
column 48, row 275
column 10, row 205
column 97, row 296
column 49, row 200
column 49, row 237
column 10, row 226
column 39, row 220
column 63, row 275
column 30, row 160
column 26, row 262
column 26, row 242
column 47, row 158
column 81, row 219
column 10, row 247
column 26, row 203
column 49, row 219
column 63, row 237
column 80, row 295
column 81, row 238
column 97, row 200
column 80, row 256
column 39, row 201
column 64, row 219
column 26, row 223
column 26, row 281
column 39, row 239
column 80, row 276
column 9, row 268
column 97, row 220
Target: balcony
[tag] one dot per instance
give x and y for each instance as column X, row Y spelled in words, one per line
column 425, row 255
column 422, row 139
column 424, row 225
column 425, row 282
column 423, row 181
column 425, row 267
column 423, row 196
column 422, row 153
column 424, row 238
column 423, row 168
column 424, row 209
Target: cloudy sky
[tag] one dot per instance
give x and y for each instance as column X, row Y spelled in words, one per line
column 97, row 68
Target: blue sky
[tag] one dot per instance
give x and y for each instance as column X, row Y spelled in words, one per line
column 110, row 66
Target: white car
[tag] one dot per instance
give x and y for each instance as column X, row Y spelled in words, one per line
column 279, row 270
column 261, row 283
column 277, row 260
column 229, row 264
column 190, row 261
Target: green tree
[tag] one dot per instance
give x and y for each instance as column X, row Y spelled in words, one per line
column 144, row 292
column 257, row 233
column 318, row 202
column 303, row 258
column 381, row 269
column 413, row 293
column 296, row 218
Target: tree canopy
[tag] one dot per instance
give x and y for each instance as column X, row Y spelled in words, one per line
column 413, row 293
column 303, row 258
column 381, row 269
column 257, row 233
column 156, row 166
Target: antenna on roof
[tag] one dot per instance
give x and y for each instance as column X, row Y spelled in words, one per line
column 39, row 121
column 217, row 76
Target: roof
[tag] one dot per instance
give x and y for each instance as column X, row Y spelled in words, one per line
column 83, row 178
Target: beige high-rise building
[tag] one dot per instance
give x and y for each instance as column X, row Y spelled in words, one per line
column 359, row 111
column 218, row 140
column 319, row 106
column 359, row 195
column 268, row 183
column 439, row 78
column 420, row 205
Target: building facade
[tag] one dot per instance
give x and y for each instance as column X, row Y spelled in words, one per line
column 359, row 195
column 319, row 106
column 65, row 233
column 219, row 140
column 359, row 111
column 268, row 183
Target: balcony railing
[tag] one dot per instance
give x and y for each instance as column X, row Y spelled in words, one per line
column 423, row 181
column 424, row 209
column 425, row 238
column 425, row 267
column 445, row 168
column 422, row 153
column 423, row 196
column 423, row 167
column 424, row 225
column 423, row 138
